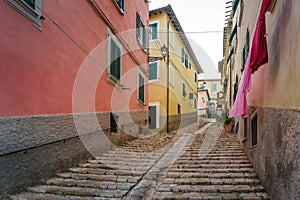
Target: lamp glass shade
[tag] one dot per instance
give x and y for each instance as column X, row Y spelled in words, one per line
column 164, row 50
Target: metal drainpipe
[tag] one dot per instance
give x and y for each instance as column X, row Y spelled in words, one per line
column 168, row 69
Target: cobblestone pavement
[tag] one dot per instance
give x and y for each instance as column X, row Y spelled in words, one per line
column 192, row 164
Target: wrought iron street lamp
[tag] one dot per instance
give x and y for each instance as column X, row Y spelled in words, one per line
column 164, row 52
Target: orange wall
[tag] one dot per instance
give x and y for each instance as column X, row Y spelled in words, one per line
column 38, row 68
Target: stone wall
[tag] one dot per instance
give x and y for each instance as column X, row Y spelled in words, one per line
column 33, row 148
column 276, row 156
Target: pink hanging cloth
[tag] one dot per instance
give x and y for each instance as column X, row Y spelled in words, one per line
column 259, row 50
column 257, row 57
column 240, row 107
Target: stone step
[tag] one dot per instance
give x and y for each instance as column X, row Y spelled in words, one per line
column 207, row 161
column 42, row 196
column 215, row 152
column 218, row 188
column 211, row 170
column 215, row 165
column 77, row 191
column 211, row 175
column 138, row 154
column 199, row 158
column 112, row 178
column 86, row 170
column 126, row 159
column 108, row 185
column 211, row 181
column 211, row 154
column 115, row 168
column 122, row 163
column 211, row 196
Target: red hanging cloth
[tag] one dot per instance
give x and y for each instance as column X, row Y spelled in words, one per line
column 259, row 50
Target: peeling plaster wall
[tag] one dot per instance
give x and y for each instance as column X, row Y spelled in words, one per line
column 275, row 99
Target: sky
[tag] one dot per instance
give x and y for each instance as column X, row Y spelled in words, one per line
column 201, row 16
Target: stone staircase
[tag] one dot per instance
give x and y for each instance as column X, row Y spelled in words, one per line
column 203, row 164
column 110, row 176
column 217, row 171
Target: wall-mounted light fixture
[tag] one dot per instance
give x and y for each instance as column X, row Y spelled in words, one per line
column 164, row 52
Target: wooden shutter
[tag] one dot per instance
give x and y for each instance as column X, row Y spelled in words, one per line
column 141, row 89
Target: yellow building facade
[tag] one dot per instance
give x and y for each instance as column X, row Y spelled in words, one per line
column 183, row 71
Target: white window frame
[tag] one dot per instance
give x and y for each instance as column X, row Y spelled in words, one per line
column 150, row 35
column 142, row 33
column 140, row 72
column 122, row 10
column 195, row 76
column 110, row 78
column 185, row 55
column 157, row 71
column 33, row 15
column 195, row 103
column 156, row 104
column 212, row 88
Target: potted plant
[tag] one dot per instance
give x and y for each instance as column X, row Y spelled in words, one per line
column 228, row 124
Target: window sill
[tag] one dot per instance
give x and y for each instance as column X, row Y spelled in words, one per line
column 141, row 45
column 141, row 104
column 253, row 147
column 153, row 81
column 27, row 12
column 153, row 40
column 112, row 80
column 184, row 66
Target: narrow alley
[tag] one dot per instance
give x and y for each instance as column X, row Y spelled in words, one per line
column 195, row 163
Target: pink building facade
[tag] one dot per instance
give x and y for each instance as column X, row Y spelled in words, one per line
column 71, row 72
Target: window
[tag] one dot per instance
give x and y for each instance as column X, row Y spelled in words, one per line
column 183, row 90
column 140, row 31
column 141, row 89
column 178, row 108
column 191, row 95
column 246, row 127
column 153, row 71
column 31, row 9
column 184, row 58
column 120, row 5
column 154, row 26
column 195, row 103
column 254, row 131
column 114, row 59
column 195, row 77
column 245, row 52
column 214, row 87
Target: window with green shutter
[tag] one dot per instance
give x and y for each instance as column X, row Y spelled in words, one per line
column 115, row 60
column 141, row 31
column 184, row 58
column 153, row 71
column 141, row 90
column 120, row 4
column 154, row 31
column 183, row 90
